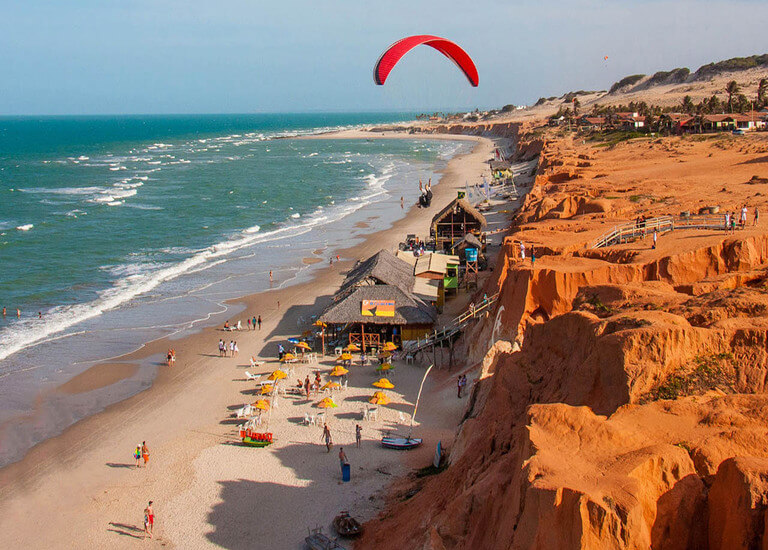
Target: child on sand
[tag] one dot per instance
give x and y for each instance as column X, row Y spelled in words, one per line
column 137, row 455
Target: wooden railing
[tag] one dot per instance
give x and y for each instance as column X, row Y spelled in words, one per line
column 630, row 231
column 456, row 325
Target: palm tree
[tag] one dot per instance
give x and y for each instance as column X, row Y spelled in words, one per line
column 687, row 106
column 762, row 88
column 732, row 88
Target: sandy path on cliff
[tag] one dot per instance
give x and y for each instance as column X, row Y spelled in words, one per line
column 81, row 487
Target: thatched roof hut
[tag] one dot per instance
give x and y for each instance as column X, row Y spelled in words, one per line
column 454, row 221
column 409, row 310
column 383, row 268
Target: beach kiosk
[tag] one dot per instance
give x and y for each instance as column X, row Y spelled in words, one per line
column 501, row 169
column 454, row 221
column 380, row 301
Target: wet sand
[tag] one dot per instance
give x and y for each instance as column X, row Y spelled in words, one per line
column 98, row 376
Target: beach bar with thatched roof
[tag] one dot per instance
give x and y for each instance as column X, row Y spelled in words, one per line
column 377, row 303
column 454, row 221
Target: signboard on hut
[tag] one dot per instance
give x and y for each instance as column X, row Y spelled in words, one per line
column 378, row 308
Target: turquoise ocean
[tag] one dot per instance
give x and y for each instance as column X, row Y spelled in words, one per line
column 115, row 231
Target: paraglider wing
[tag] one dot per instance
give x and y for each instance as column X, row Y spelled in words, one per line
column 451, row 50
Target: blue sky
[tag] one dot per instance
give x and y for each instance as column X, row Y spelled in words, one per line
column 138, row 56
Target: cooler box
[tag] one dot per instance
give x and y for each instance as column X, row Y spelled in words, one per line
column 345, row 472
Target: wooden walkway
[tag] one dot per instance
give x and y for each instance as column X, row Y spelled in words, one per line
column 630, row 231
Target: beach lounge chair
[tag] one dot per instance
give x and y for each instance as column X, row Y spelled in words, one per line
column 255, row 363
column 245, row 410
column 249, row 376
column 307, row 419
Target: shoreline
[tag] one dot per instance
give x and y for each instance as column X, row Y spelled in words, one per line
column 53, row 412
column 50, row 457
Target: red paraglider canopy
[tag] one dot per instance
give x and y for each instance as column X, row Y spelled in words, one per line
column 449, row 49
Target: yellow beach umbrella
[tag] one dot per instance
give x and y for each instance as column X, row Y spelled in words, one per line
column 384, row 383
column 346, row 357
column 327, row 403
column 319, row 324
column 277, row 375
column 331, row 386
column 261, row 404
column 266, row 389
column 389, row 346
column 385, row 354
column 303, row 345
column 352, row 347
column 338, row 370
column 379, row 398
column 385, row 366
column 288, row 357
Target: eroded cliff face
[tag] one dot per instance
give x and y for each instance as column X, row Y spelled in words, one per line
column 623, row 403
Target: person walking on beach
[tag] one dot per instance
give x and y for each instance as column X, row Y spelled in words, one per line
column 137, row 455
column 222, row 347
column 743, row 216
column 757, row 216
column 232, row 348
column 145, row 453
column 149, row 519
column 248, row 320
column 259, row 321
column 342, row 459
column 270, row 276
column 733, row 223
column 235, row 350
column 358, row 435
column 522, row 251
column 727, row 221
column 533, row 256
column 327, row 437
column 655, row 238
column 280, row 351
column 306, row 385
column 402, row 203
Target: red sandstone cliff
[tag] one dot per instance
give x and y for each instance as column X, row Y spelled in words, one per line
column 634, row 413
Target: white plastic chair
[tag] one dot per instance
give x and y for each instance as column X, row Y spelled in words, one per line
column 409, row 359
column 307, row 419
column 373, row 413
column 320, row 418
column 250, row 376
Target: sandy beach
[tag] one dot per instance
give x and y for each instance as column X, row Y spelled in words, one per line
column 206, row 488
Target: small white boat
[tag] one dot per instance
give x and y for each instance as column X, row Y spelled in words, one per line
column 401, row 443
